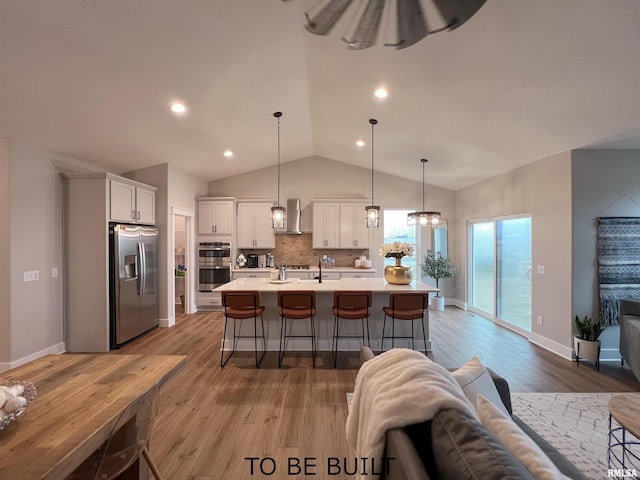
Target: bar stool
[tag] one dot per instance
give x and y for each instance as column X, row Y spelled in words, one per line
column 242, row 305
column 296, row 305
column 405, row 306
column 350, row 305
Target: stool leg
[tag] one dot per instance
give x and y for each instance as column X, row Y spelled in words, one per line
column 224, row 335
column 336, row 331
column 393, row 332
column 368, row 338
column 413, row 342
column 255, row 338
column 280, row 348
column 424, row 337
column 313, row 341
column 384, row 322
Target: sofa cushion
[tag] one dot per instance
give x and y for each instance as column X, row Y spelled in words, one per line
column 517, row 442
column 463, row 448
column 475, row 379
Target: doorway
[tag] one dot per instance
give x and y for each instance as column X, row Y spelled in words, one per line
column 182, row 236
column 500, row 270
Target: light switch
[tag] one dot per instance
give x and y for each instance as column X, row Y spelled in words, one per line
column 541, row 269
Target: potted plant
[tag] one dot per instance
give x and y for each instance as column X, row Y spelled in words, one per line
column 586, row 343
column 436, row 266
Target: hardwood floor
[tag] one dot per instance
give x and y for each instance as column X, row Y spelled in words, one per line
column 211, row 420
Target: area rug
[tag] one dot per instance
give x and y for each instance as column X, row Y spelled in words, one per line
column 577, row 424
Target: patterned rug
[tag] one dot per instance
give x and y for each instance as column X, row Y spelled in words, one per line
column 577, row 424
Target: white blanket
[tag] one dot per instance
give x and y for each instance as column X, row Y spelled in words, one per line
column 398, row 388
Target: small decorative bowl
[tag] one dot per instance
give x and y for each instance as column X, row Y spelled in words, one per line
column 29, row 394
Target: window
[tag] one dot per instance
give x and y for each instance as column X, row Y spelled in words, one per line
column 397, row 230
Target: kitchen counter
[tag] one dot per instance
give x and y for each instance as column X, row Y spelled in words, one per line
column 324, row 318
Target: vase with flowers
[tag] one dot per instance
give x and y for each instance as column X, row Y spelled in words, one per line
column 397, row 274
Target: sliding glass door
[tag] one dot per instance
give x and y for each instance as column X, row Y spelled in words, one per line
column 500, row 280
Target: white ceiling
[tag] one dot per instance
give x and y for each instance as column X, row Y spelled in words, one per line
column 518, row 82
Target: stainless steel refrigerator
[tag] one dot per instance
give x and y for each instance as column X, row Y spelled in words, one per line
column 133, row 282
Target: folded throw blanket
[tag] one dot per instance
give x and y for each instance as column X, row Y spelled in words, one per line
column 398, row 388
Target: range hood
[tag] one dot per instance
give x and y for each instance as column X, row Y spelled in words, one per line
column 293, row 217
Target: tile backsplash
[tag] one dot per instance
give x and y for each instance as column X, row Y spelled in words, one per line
column 297, row 250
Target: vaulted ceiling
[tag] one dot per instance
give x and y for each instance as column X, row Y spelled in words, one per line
column 520, row 81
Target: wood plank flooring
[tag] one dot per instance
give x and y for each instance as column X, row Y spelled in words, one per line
column 210, row 420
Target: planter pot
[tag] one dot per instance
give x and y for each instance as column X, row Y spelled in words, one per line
column 587, row 350
column 398, row 274
column 437, row 303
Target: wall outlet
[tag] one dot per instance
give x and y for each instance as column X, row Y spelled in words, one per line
column 539, row 320
column 541, row 269
column 54, row 273
column 32, row 276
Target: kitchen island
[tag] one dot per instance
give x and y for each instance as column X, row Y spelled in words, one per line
column 324, row 318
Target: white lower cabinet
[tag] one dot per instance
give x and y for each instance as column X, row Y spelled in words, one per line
column 357, row 274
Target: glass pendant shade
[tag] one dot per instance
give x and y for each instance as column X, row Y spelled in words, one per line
column 373, row 216
column 277, row 216
column 424, row 218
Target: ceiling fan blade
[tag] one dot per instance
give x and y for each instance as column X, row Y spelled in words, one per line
column 457, row 12
column 327, row 16
column 412, row 26
column 366, row 32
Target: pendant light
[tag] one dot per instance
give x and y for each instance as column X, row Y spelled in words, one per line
column 277, row 212
column 373, row 211
column 423, row 219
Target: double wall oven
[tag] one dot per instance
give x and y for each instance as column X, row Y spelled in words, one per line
column 214, row 265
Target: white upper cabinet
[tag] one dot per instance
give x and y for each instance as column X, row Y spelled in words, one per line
column 215, row 217
column 131, row 203
column 254, row 225
column 326, row 222
column 353, row 229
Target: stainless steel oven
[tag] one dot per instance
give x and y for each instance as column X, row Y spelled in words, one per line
column 214, row 265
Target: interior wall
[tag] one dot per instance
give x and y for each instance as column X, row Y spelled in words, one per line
column 321, row 178
column 36, row 243
column 5, row 251
column 605, row 184
column 542, row 189
column 176, row 188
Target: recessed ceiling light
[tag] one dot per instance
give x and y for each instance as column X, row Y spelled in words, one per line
column 178, row 107
column 381, row 92
column 360, row 143
column 228, row 153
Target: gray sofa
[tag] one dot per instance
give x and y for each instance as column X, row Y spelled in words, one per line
column 424, row 451
column 630, row 335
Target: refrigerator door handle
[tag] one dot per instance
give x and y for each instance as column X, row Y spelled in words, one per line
column 143, row 268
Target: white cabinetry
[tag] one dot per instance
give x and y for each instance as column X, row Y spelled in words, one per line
column 215, row 217
column 353, row 229
column 131, row 202
column 326, row 218
column 254, row 225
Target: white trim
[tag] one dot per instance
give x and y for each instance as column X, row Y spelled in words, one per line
column 610, row 355
column 552, row 346
column 182, row 212
column 167, row 322
column 457, row 303
column 54, row 349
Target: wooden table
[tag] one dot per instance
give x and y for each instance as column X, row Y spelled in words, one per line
column 80, row 399
column 324, row 317
column 625, row 410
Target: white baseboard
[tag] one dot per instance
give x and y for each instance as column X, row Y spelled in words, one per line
column 610, row 355
column 456, row 303
column 167, row 322
column 552, row 346
column 54, row 349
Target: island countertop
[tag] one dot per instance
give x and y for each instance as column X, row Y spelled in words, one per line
column 375, row 284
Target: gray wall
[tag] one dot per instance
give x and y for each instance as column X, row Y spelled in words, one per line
column 542, row 189
column 5, row 252
column 605, row 183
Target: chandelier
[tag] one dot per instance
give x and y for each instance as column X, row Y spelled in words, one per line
column 404, row 20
